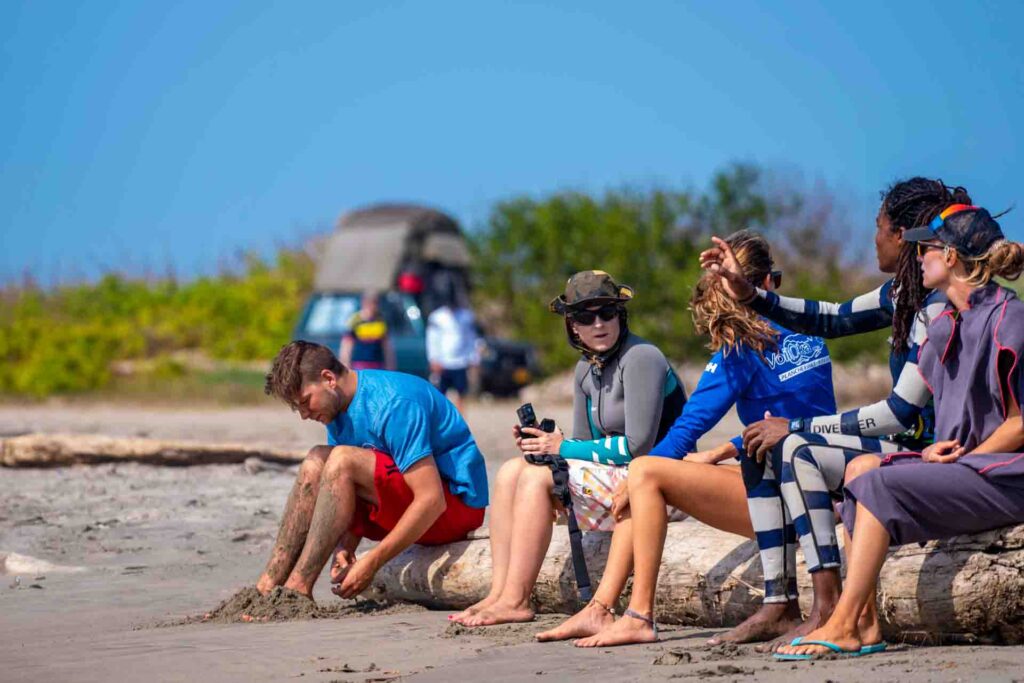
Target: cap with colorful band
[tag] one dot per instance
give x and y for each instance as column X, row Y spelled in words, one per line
column 970, row 230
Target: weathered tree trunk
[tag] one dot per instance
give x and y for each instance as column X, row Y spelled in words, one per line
column 967, row 588
column 59, row 450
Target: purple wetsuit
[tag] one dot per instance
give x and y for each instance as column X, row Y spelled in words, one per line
column 971, row 363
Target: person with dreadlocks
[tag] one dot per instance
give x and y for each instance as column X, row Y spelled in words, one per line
column 972, row 478
column 756, row 366
column 626, row 396
column 797, row 465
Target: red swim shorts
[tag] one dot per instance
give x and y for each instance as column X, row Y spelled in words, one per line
column 394, row 496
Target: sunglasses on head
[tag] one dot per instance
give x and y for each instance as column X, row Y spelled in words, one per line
column 585, row 317
column 923, row 247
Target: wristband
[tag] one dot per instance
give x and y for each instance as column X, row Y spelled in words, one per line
column 797, row 425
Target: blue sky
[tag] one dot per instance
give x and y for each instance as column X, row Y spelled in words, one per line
column 148, row 135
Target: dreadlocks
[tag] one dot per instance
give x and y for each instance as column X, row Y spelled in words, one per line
column 910, row 204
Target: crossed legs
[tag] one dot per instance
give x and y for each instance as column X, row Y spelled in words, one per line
column 713, row 494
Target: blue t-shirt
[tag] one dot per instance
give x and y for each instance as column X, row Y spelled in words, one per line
column 793, row 380
column 407, row 418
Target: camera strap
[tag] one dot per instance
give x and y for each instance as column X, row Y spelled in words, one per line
column 560, row 474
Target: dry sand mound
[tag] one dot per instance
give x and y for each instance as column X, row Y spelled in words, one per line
column 282, row 604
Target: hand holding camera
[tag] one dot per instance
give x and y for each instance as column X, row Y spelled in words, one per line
column 533, row 437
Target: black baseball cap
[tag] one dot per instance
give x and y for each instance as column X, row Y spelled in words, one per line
column 970, row 230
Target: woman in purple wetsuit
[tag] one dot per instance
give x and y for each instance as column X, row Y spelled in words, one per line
column 972, row 478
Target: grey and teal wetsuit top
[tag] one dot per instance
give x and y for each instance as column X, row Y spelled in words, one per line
column 621, row 410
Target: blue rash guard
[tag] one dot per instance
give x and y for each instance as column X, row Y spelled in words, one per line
column 794, row 379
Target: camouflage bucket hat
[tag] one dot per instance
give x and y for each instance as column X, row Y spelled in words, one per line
column 589, row 286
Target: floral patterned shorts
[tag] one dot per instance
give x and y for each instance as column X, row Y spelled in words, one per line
column 592, row 486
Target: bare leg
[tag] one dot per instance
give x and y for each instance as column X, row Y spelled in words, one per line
column 869, row 545
column 597, row 615
column 529, row 543
column 502, row 506
column 298, row 512
column 347, row 474
column 713, row 494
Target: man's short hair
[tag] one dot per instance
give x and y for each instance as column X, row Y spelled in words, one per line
column 297, row 363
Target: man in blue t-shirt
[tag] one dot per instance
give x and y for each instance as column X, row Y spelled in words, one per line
column 400, row 467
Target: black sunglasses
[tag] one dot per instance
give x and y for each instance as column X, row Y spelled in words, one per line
column 776, row 278
column 923, row 247
column 585, row 317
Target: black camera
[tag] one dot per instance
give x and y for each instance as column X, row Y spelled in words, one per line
column 528, row 418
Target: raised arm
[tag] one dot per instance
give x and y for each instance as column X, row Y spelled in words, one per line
column 865, row 313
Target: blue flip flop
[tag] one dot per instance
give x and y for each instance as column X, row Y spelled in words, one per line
column 874, row 649
column 823, row 643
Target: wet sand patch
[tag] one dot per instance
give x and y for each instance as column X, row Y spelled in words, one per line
column 282, row 604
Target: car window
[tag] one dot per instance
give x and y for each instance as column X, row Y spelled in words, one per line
column 330, row 314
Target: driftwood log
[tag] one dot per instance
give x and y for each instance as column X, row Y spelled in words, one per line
column 969, row 588
column 60, row 450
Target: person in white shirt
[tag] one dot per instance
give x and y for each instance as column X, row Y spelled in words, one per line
column 452, row 343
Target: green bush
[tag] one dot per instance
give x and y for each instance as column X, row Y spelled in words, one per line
column 651, row 240
column 64, row 340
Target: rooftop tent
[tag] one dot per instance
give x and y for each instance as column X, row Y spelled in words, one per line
column 371, row 246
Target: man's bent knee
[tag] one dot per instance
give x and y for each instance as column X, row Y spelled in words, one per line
column 347, row 461
column 312, row 465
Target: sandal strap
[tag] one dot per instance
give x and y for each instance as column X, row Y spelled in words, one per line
column 647, row 620
column 603, row 606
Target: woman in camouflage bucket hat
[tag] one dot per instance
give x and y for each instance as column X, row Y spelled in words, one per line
column 626, row 397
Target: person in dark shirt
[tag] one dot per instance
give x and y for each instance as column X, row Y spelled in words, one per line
column 366, row 345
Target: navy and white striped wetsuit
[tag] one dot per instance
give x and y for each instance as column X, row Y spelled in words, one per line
column 812, row 460
column 793, row 378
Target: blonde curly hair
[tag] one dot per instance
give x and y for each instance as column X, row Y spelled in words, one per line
column 1003, row 259
column 727, row 322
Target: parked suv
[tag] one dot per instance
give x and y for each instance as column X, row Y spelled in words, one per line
column 414, row 257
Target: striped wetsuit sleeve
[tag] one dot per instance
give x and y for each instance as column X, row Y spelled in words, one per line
column 897, row 413
column 865, row 313
column 643, row 383
column 723, row 380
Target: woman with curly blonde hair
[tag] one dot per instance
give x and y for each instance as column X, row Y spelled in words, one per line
column 757, row 366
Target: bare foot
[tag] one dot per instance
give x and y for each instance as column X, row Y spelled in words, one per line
column 626, row 631
column 499, row 614
column 771, row 621
column 588, row 621
column 265, row 584
column 473, row 609
column 817, row 618
column 848, row 641
column 298, row 588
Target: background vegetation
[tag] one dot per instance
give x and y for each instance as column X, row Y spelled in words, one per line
column 75, row 338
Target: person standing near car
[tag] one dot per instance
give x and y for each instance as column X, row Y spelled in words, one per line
column 452, row 350
column 366, row 345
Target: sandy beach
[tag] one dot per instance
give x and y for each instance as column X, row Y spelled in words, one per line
column 134, row 551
